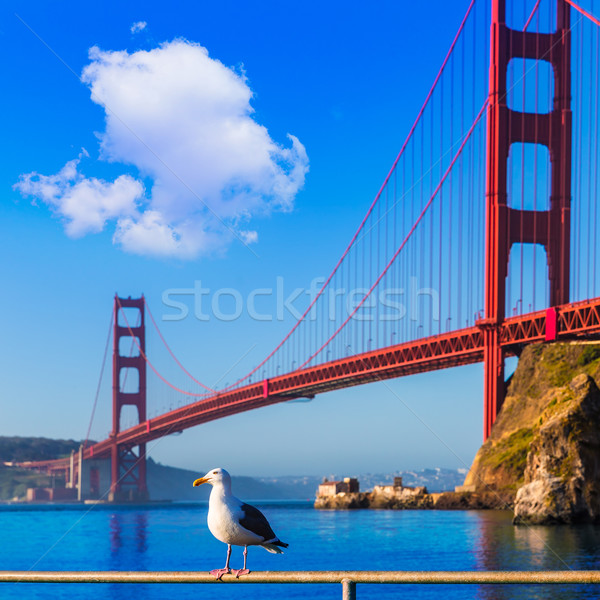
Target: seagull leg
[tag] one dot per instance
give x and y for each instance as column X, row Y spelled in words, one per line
column 243, row 571
column 218, row 573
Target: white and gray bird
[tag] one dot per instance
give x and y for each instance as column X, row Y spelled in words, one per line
column 236, row 523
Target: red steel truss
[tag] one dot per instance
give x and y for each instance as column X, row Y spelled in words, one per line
column 462, row 347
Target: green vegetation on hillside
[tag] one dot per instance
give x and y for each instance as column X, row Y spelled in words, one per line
column 14, row 482
column 538, row 391
column 545, row 366
column 505, row 461
column 20, row 449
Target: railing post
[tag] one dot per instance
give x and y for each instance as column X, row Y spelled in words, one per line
column 348, row 589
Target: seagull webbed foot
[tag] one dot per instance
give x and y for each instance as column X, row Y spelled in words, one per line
column 218, row 573
column 238, row 572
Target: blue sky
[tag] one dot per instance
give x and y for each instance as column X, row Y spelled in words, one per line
column 346, row 79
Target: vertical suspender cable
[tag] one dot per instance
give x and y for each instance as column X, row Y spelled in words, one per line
column 594, row 162
column 517, row 309
column 108, row 336
column 579, row 195
column 535, row 154
column 450, row 197
column 589, row 185
column 440, row 208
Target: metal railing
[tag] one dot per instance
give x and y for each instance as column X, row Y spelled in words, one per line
column 347, row 579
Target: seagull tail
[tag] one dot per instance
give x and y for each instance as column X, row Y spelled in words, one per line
column 273, row 546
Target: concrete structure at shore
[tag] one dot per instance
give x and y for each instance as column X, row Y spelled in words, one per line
column 346, row 494
column 398, row 490
column 91, row 483
column 349, row 485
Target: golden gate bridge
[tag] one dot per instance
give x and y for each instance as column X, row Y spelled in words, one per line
column 491, row 205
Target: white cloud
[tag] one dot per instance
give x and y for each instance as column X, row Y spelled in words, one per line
column 85, row 204
column 138, row 26
column 184, row 121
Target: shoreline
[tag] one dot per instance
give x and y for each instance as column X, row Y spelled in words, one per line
column 491, row 500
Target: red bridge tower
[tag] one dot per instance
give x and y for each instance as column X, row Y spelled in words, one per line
column 506, row 225
column 128, row 468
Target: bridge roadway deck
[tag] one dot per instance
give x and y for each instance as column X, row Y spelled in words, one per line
column 460, row 347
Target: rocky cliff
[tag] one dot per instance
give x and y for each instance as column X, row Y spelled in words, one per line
column 562, row 476
column 543, row 451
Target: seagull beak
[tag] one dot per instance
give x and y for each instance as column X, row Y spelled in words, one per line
column 200, row 481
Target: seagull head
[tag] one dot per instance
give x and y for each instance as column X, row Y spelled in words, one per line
column 215, row 477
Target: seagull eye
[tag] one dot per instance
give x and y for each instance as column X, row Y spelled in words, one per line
column 215, row 473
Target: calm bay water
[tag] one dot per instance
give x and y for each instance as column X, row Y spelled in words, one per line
column 175, row 537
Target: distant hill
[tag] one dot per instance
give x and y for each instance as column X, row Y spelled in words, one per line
column 14, row 481
column 172, row 483
column 176, row 484
column 435, row 480
column 164, row 482
column 19, row 449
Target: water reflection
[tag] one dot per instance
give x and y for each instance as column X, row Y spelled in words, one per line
column 115, row 532
column 494, row 533
column 503, row 546
column 546, row 547
column 128, row 527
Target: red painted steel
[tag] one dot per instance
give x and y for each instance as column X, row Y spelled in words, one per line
column 462, row 347
column 128, row 469
column 583, row 12
column 551, row 324
column 506, row 225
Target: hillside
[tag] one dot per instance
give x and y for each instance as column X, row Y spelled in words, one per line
column 19, row 449
column 172, row 483
column 542, row 453
column 14, row 481
column 164, row 482
column 537, row 389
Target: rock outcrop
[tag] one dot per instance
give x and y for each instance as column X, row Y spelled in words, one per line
column 542, row 458
column 343, row 501
column 387, row 496
column 543, row 452
column 562, row 476
column 473, row 500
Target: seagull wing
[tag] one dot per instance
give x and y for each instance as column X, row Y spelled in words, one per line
column 253, row 520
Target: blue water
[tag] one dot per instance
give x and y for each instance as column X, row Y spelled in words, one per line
column 175, row 537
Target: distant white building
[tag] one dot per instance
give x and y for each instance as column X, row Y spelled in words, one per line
column 398, row 490
column 349, row 485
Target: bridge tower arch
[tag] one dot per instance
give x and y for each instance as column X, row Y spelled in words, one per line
column 506, row 225
column 128, row 464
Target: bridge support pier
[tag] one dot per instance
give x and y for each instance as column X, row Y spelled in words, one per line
column 507, row 225
column 493, row 375
column 128, row 467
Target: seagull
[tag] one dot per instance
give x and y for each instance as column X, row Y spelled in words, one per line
column 234, row 522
